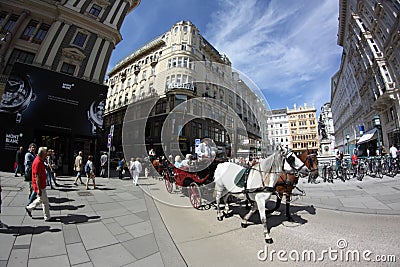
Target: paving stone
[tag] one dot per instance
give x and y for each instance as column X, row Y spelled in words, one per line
column 96, row 235
column 139, row 229
column 72, row 236
column 77, row 254
column 7, row 241
column 114, row 255
column 152, row 260
column 128, row 219
column 142, row 247
column 18, row 257
column 115, row 228
column 47, row 244
column 61, row 261
column 124, row 237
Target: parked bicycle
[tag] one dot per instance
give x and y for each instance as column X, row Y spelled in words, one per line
column 327, row 172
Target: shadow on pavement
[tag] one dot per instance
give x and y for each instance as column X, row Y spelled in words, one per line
column 27, row 230
column 74, row 218
column 66, row 207
column 60, row 199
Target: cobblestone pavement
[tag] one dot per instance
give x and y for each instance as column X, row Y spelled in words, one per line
column 119, row 225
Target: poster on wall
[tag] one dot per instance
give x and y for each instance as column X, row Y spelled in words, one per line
column 37, row 99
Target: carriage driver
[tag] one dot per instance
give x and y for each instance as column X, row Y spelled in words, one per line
column 204, row 150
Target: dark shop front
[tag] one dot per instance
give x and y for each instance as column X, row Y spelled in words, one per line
column 50, row 109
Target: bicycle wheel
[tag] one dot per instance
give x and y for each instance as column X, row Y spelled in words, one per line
column 378, row 172
column 324, row 174
column 360, row 174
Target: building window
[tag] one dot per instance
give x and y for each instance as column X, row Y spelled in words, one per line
column 18, row 56
column 10, row 24
column 68, row 68
column 95, row 10
column 41, row 33
column 29, row 30
column 144, row 75
column 80, row 39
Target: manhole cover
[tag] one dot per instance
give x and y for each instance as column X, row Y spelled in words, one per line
column 85, row 194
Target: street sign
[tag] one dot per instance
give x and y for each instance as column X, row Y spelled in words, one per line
column 197, row 142
column 109, row 140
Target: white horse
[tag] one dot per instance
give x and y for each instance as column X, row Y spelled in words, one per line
column 260, row 183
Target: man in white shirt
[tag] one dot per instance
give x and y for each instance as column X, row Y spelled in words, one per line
column 135, row 169
column 393, row 151
column 203, row 151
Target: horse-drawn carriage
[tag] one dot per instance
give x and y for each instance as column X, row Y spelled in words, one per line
column 194, row 181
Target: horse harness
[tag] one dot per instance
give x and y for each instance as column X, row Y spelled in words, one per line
column 265, row 188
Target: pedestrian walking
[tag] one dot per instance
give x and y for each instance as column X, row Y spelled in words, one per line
column 39, row 184
column 28, row 161
column 53, row 161
column 19, row 162
column 78, row 164
column 131, row 167
column 135, row 169
column 103, row 163
column 48, row 169
column 90, row 171
column 120, row 167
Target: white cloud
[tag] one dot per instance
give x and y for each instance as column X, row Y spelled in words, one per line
column 281, row 44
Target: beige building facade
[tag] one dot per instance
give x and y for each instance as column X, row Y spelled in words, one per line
column 303, row 128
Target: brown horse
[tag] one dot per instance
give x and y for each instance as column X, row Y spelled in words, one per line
column 287, row 182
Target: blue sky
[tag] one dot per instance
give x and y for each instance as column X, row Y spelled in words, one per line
column 287, row 47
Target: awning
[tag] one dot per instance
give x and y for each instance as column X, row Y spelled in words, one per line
column 368, row 136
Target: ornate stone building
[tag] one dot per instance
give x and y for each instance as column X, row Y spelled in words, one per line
column 175, row 67
column 54, row 50
column 303, row 127
column 367, row 83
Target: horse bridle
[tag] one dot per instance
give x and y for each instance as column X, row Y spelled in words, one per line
column 311, row 161
column 289, row 158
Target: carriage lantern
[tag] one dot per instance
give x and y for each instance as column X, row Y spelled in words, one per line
column 376, row 120
column 348, row 138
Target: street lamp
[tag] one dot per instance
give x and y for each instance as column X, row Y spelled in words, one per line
column 376, row 120
column 348, row 138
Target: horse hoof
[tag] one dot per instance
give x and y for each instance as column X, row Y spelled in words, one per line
column 269, row 241
column 244, row 225
column 220, row 218
column 290, row 219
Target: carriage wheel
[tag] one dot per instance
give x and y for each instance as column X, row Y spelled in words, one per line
column 168, row 183
column 195, row 195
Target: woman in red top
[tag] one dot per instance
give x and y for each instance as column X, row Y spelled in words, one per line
column 39, row 184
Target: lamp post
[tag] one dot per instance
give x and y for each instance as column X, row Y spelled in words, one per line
column 348, row 138
column 376, row 120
